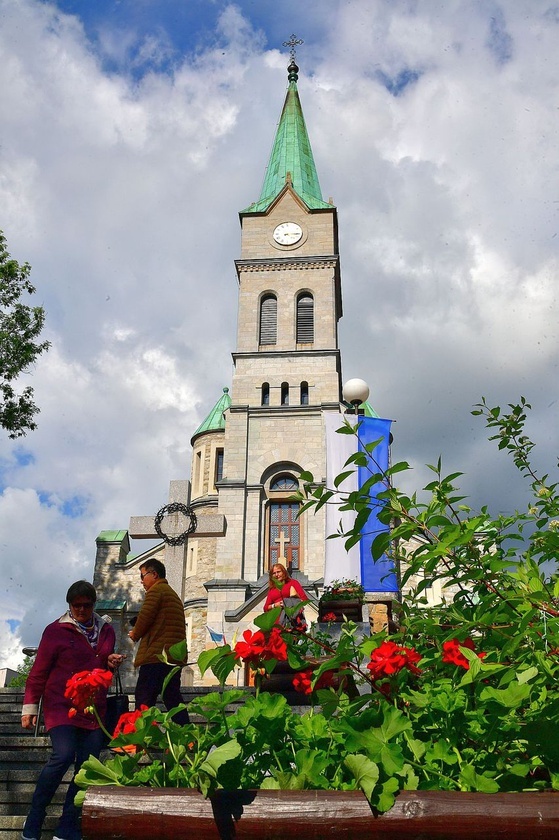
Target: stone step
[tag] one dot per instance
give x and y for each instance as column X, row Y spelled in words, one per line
column 22, row 740
column 11, row 827
column 10, row 791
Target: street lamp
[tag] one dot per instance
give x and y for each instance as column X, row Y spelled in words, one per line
column 355, row 392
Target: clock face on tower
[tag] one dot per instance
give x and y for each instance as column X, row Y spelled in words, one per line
column 288, row 233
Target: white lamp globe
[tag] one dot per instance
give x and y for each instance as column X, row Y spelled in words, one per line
column 355, row 391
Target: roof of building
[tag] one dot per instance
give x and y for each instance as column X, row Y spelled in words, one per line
column 103, row 605
column 368, row 409
column 215, row 419
column 112, row 536
column 365, row 408
column 291, row 160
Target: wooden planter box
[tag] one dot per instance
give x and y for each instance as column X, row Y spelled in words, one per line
column 280, row 681
column 351, row 608
column 130, row 813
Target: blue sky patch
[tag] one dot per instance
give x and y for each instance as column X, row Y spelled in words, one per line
column 136, row 37
column 23, row 457
column 396, row 85
column 46, row 499
column 499, row 41
column 13, row 624
column 74, row 507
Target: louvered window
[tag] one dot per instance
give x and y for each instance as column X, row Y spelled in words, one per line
column 268, row 320
column 305, row 319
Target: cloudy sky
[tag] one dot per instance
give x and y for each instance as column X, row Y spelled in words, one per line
column 132, row 133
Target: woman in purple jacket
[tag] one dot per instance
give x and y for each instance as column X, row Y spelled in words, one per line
column 78, row 641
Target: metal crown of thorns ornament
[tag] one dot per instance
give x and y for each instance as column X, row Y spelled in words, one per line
column 170, row 510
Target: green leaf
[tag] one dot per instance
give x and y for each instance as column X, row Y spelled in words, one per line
column 179, row 652
column 470, row 780
column 220, row 660
column 364, row 771
column 527, row 675
column 387, row 797
column 94, row 772
column 510, row 697
column 218, row 756
column 342, row 477
column 265, row 621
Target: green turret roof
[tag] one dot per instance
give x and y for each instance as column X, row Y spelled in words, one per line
column 291, row 160
column 366, row 408
column 215, row 419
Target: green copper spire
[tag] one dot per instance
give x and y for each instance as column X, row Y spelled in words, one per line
column 291, row 160
column 215, row 419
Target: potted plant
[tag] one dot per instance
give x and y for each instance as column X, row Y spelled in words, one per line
column 453, row 733
column 340, row 600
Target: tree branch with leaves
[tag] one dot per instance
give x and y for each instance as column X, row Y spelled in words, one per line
column 20, row 327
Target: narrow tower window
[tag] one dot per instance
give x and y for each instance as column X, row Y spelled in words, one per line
column 218, row 465
column 305, row 319
column 304, row 393
column 268, row 319
column 265, row 399
column 284, row 393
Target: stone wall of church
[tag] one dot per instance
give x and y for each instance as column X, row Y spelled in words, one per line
column 319, row 370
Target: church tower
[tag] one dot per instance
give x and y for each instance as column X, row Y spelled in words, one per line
column 286, row 363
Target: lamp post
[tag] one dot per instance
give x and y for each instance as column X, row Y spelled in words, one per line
column 355, row 392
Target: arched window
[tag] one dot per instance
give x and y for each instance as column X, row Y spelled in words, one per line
column 268, row 320
column 285, row 393
column 265, row 398
column 284, row 526
column 305, row 319
column 283, row 483
column 304, row 393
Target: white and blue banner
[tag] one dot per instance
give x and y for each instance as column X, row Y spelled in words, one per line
column 357, row 563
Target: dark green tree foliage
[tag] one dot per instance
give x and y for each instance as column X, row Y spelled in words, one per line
column 20, row 326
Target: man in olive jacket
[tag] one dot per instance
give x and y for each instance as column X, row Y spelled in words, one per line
column 159, row 625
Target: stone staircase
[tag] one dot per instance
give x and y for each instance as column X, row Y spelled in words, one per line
column 22, row 756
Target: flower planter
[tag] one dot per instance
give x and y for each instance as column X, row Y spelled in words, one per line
column 351, row 608
column 131, row 813
column 280, row 681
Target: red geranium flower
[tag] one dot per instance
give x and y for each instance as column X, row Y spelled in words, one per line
column 453, row 654
column 83, row 688
column 127, row 722
column 275, row 648
column 330, row 617
column 389, row 658
column 257, row 648
column 251, row 649
column 302, row 681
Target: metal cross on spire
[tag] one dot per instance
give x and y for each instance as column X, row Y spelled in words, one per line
column 292, row 43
